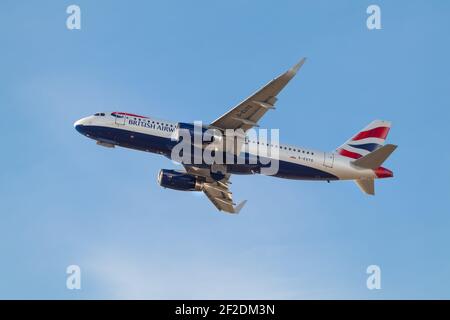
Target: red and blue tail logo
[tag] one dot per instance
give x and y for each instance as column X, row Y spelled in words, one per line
column 367, row 140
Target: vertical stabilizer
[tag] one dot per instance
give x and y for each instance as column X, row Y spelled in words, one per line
column 369, row 139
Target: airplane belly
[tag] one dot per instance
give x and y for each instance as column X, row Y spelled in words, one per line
column 297, row 171
column 130, row 139
column 286, row 170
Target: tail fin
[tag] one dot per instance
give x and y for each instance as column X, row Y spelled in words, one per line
column 369, row 139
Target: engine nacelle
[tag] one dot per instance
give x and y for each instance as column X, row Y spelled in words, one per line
column 177, row 180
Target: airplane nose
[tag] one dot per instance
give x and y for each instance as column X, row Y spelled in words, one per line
column 79, row 125
column 79, row 128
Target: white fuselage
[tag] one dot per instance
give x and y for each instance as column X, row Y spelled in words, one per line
column 154, row 135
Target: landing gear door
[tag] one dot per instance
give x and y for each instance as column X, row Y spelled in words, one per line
column 120, row 119
column 328, row 159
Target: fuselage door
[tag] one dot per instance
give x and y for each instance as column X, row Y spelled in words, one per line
column 120, row 119
column 328, row 159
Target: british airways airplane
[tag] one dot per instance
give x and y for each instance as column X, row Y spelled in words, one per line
column 359, row 158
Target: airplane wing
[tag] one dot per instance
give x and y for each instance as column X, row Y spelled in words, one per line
column 247, row 113
column 243, row 116
column 217, row 191
column 219, row 194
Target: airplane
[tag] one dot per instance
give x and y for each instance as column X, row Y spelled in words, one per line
column 360, row 158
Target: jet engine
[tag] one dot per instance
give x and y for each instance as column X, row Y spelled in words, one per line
column 177, row 180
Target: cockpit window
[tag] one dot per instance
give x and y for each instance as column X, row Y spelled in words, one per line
column 99, row 114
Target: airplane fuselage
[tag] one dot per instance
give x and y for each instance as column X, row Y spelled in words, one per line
column 137, row 132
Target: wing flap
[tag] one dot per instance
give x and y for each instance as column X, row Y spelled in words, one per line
column 217, row 191
column 221, row 197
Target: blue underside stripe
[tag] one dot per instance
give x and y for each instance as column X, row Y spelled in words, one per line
column 164, row 146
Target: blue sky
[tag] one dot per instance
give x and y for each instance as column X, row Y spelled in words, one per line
column 67, row 201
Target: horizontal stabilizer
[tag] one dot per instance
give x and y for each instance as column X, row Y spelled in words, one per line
column 366, row 185
column 376, row 158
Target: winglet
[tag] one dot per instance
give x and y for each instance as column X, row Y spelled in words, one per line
column 295, row 68
column 239, row 206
